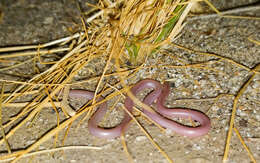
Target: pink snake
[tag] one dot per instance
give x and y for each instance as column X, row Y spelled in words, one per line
column 161, row 116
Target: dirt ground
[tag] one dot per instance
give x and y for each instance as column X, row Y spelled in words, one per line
column 26, row 22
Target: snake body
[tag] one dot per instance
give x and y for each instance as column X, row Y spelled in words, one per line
column 161, row 116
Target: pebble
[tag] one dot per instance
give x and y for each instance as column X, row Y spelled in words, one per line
column 48, row 20
column 140, row 138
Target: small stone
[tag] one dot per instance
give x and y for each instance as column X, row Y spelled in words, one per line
column 168, row 132
column 48, row 20
column 196, row 147
column 140, row 138
column 243, row 123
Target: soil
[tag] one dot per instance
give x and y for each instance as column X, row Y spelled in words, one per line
column 26, row 22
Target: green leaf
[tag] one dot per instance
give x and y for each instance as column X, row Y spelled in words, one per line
column 170, row 25
column 133, row 51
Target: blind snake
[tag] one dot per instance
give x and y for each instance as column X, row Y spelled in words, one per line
column 161, row 116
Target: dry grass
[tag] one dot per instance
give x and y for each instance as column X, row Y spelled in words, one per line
column 122, row 36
